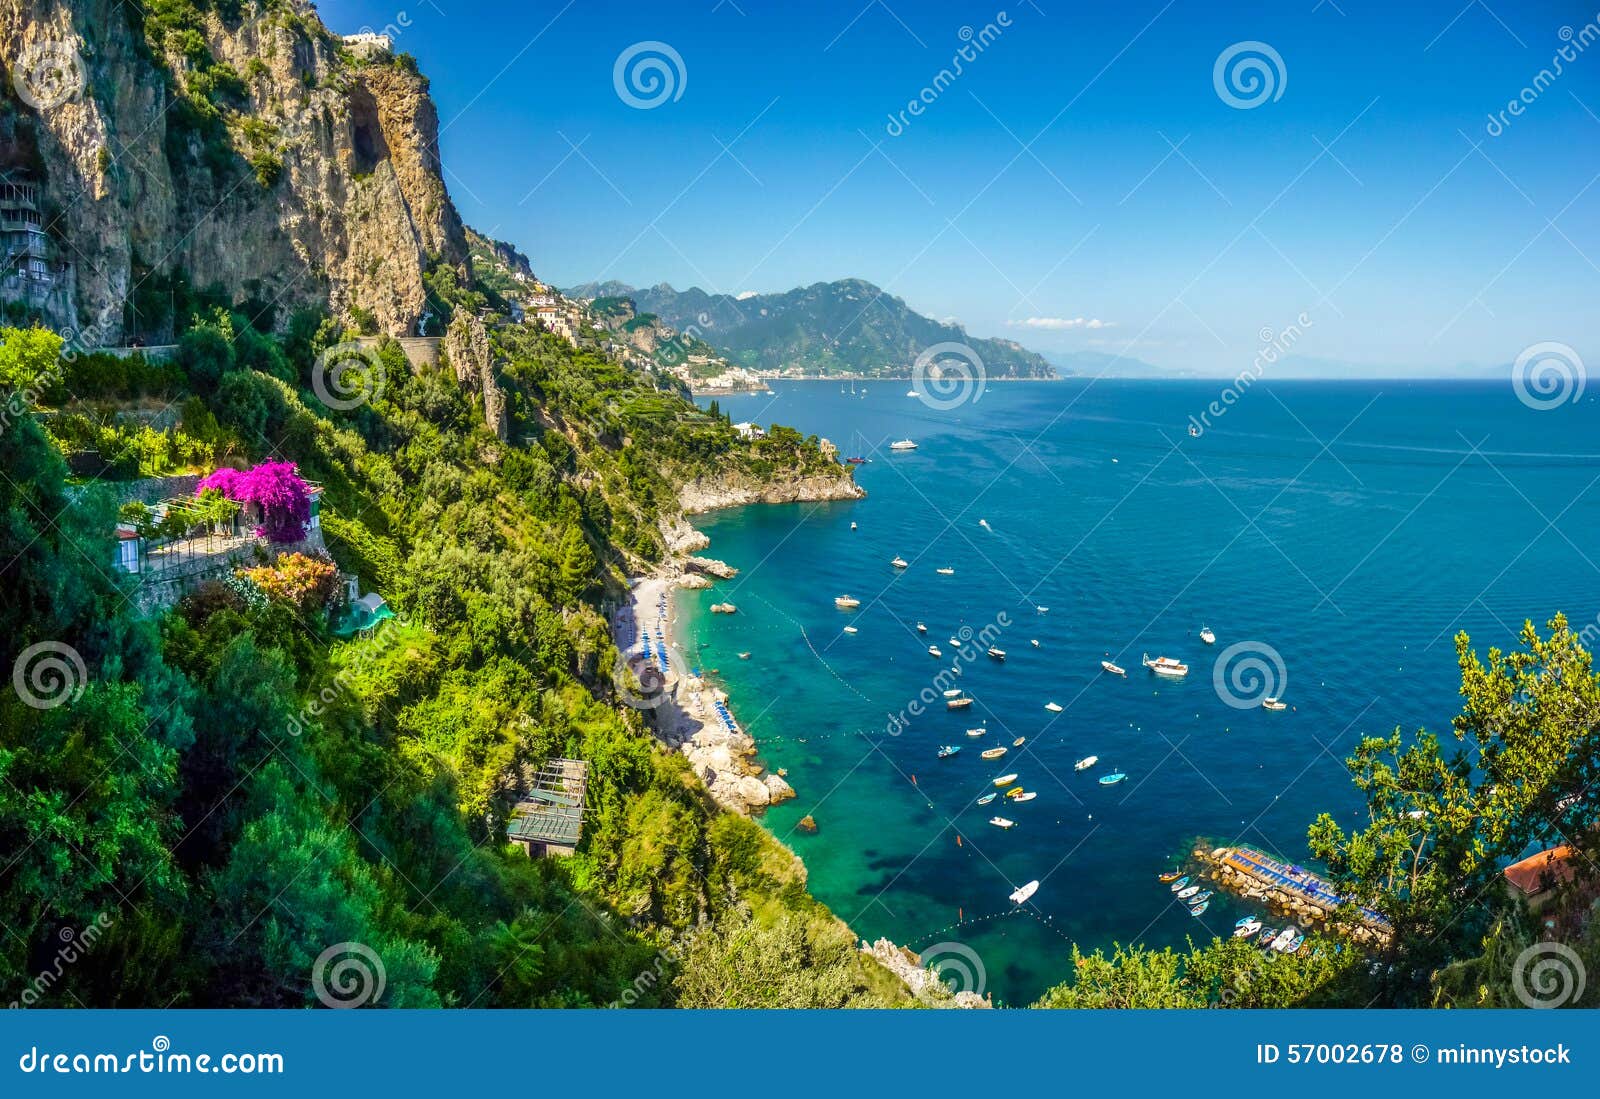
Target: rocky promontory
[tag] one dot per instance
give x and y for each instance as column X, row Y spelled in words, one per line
column 735, row 490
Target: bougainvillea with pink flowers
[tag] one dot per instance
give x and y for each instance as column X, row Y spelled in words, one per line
column 283, row 498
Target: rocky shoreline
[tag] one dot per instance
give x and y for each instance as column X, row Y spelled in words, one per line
column 714, row 493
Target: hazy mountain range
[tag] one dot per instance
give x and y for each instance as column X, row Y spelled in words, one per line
column 848, row 326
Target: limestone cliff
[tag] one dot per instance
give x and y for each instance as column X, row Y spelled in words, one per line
column 248, row 151
column 736, row 490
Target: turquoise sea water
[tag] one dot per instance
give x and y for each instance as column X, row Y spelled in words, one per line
column 1349, row 528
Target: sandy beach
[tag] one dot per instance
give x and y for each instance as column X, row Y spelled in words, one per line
column 683, row 708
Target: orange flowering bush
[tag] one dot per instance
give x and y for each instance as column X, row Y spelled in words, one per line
column 298, row 579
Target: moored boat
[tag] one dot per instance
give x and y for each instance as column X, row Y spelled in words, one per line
column 1087, row 762
column 1188, row 891
column 948, row 750
column 997, row 654
column 899, row 562
column 846, row 602
column 1019, row 742
column 958, row 703
column 1028, row 795
column 1114, row 669
column 953, row 692
column 1180, row 883
column 1112, row 779
column 1002, row 822
column 921, row 628
column 1247, row 927
column 980, row 731
column 933, row 650
column 987, row 798
column 1270, row 703
column 1167, row 667
column 849, row 629
column 1052, row 707
column 1202, row 896
column 1169, row 875
column 994, row 753
column 946, row 571
column 1022, row 893
column 1207, row 636
column 1200, row 909
column 1005, row 780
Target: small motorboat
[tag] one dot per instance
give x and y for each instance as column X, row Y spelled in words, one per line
column 900, row 563
column 921, row 628
column 852, row 526
column 1005, row 780
column 1194, row 431
column 1169, row 875
column 955, row 643
column 997, row 654
column 994, row 753
column 846, row 602
column 1019, row 742
column 903, row 444
column 980, row 731
column 958, row 703
column 849, row 629
column 948, row 750
column 1052, row 707
column 1200, row 909
column 1034, row 641
column 953, row 692
column 911, row 393
column 1114, row 669
column 1207, row 636
column 1180, row 883
column 1188, row 891
column 744, row 656
column 1015, row 792
column 1248, row 927
column 946, row 571
column 1028, row 796
column 1167, row 667
column 857, row 460
column 1270, row 703
column 1022, row 893
column 933, row 650
column 984, row 523
column 987, row 798
column 1042, row 610
column 1284, row 938
column 1002, row 822
column 1085, row 763
column 1112, row 779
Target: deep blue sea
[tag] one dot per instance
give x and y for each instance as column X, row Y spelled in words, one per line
column 1348, row 530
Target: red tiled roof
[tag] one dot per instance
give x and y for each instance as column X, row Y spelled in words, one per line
column 1536, row 872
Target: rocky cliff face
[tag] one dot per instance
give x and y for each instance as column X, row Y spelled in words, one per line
column 253, row 154
column 733, row 490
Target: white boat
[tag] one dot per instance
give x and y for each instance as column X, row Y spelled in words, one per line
column 998, row 654
column 1207, row 636
column 953, row 692
column 987, row 798
column 1285, row 937
column 1085, row 763
column 977, row 732
column 1005, row 780
column 933, row 650
column 957, row 703
column 1167, row 667
column 1029, row 796
column 1002, row 822
column 1022, row 893
column 1270, row 703
column 995, row 753
column 954, row 644
column 921, row 628
column 852, row 526
column 1249, row 927
column 846, row 602
column 984, row 523
column 947, row 571
column 900, row 562
column 1052, row 707
column 1034, row 641
column 849, row 629
column 1042, row 610
column 903, row 444
column 911, row 393
column 1114, row 669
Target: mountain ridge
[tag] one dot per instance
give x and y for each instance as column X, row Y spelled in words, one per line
column 844, row 326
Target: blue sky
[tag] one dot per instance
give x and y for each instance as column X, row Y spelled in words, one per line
column 1080, row 185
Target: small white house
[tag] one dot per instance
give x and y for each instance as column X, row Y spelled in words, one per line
column 748, row 430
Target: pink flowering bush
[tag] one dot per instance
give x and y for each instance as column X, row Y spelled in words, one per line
column 283, row 499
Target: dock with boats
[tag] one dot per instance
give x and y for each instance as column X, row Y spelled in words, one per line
column 1259, row 876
